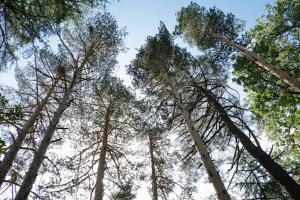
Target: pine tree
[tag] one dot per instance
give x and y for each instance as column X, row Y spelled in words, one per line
column 211, row 29
column 99, row 40
column 158, row 65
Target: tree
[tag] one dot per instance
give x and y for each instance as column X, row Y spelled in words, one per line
column 100, row 161
column 153, row 170
column 163, row 178
column 277, row 172
column 22, row 22
column 117, row 101
column 211, row 29
column 97, row 40
column 157, row 65
column 49, row 82
column 158, row 166
column 256, row 181
column 273, row 104
column 210, row 91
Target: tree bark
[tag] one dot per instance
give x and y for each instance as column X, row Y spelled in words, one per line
column 13, row 149
column 39, row 156
column 277, row 172
column 99, row 191
column 286, row 77
column 212, row 172
column 153, row 173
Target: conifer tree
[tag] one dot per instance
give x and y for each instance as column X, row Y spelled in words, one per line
column 211, row 29
column 159, row 65
column 49, row 78
column 96, row 42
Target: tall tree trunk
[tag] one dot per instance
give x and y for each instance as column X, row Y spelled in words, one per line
column 212, row 172
column 286, row 77
column 39, row 155
column 99, row 191
column 153, row 173
column 278, row 173
column 16, row 145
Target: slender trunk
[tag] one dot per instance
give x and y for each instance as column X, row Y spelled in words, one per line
column 286, row 77
column 16, row 145
column 39, row 156
column 212, row 172
column 278, row 173
column 99, row 191
column 153, row 173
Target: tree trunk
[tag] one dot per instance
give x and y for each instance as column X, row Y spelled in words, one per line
column 153, row 173
column 274, row 70
column 13, row 149
column 212, row 172
column 39, row 156
column 99, row 191
column 278, row 173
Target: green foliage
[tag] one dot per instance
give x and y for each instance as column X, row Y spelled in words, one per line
column 113, row 88
column 2, row 145
column 275, row 107
column 158, row 60
column 272, row 190
column 99, row 36
column 196, row 24
column 203, row 28
column 9, row 115
column 125, row 193
column 23, row 21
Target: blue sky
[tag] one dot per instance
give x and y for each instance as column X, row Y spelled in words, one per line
column 142, row 17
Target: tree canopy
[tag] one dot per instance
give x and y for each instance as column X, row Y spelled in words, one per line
column 73, row 129
column 274, row 106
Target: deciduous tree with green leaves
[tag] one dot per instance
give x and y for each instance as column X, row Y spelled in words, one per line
column 274, row 105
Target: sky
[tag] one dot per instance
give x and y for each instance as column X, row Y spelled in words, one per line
column 141, row 18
